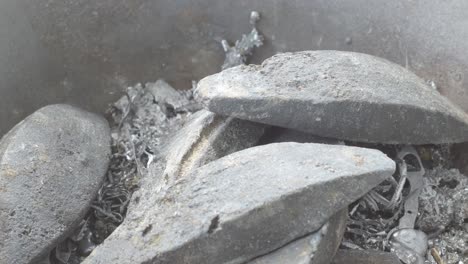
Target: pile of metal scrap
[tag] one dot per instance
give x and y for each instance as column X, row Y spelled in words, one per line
column 288, row 161
column 441, row 217
column 386, row 218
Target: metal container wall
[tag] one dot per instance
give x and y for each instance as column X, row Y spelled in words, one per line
column 85, row 52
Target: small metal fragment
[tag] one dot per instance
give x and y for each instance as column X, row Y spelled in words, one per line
column 254, row 17
column 435, row 254
column 390, row 207
column 238, row 54
column 415, row 178
column 402, row 168
column 409, row 245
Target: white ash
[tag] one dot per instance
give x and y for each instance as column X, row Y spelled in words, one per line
column 443, row 200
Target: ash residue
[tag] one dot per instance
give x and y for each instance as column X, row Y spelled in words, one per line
column 444, row 213
column 444, row 200
column 141, row 122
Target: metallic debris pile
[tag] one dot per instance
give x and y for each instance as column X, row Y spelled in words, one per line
column 441, row 218
column 444, row 213
column 142, row 120
column 236, row 171
column 394, row 216
column 418, row 214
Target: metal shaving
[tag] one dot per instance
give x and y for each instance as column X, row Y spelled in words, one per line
column 238, row 54
column 373, row 217
column 142, row 120
column 442, row 213
column 409, row 244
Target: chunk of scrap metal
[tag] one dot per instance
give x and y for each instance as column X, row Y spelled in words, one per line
column 336, row 94
column 408, row 244
column 315, row 248
column 223, row 212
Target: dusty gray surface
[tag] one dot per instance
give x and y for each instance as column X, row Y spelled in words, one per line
column 316, row 248
column 208, row 218
column 321, row 244
column 365, row 257
column 51, row 166
column 342, row 95
column 205, row 138
column 276, row 134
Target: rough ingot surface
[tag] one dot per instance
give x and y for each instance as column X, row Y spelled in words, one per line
column 343, row 95
column 51, row 166
column 365, row 257
column 205, row 138
column 247, row 204
column 316, row 248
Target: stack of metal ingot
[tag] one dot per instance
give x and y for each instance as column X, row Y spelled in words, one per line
column 264, row 174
